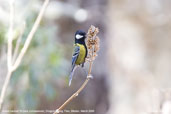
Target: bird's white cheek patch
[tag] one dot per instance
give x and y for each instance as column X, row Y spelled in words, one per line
column 78, row 36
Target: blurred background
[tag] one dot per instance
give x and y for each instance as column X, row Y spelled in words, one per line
column 132, row 70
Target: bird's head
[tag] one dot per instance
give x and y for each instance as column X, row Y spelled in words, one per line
column 80, row 35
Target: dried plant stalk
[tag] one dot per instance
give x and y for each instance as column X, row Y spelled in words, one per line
column 92, row 43
column 93, row 47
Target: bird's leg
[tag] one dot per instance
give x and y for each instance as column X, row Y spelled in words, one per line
column 82, row 65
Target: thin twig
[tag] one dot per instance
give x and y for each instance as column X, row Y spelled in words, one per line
column 9, row 53
column 76, row 93
column 11, row 67
column 10, row 35
column 91, row 37
column 18, row 44
column 4, row 88
column 30, row 36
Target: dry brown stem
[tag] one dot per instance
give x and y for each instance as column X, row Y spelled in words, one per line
column 93, row 47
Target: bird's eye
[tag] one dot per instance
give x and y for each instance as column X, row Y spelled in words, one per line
column 78, row 36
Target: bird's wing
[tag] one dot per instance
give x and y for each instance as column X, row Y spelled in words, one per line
column 75, row 55
column 74, row 58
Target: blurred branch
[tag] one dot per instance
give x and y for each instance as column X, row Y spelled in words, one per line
column 10, row 35
column 93, row 47
column 18, row 44
column 11, row 67
column 30, row 36
column 9, row 53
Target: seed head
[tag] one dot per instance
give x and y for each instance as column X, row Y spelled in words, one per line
column 92, row 42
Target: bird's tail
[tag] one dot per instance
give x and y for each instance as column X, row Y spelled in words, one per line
column 71, row 74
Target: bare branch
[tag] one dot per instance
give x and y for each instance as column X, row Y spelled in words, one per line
column 11, row 67
column 18, row 44
column 9, row 53
column 75, row 94
column 10, row 35
column 4, row 88
column 30, row 36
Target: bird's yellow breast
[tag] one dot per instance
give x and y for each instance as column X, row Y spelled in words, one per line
column 82, row 54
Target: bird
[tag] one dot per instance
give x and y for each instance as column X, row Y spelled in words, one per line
column 80, row 52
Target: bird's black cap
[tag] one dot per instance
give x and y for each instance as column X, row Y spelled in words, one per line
column 80, row 32
column 80, row 37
